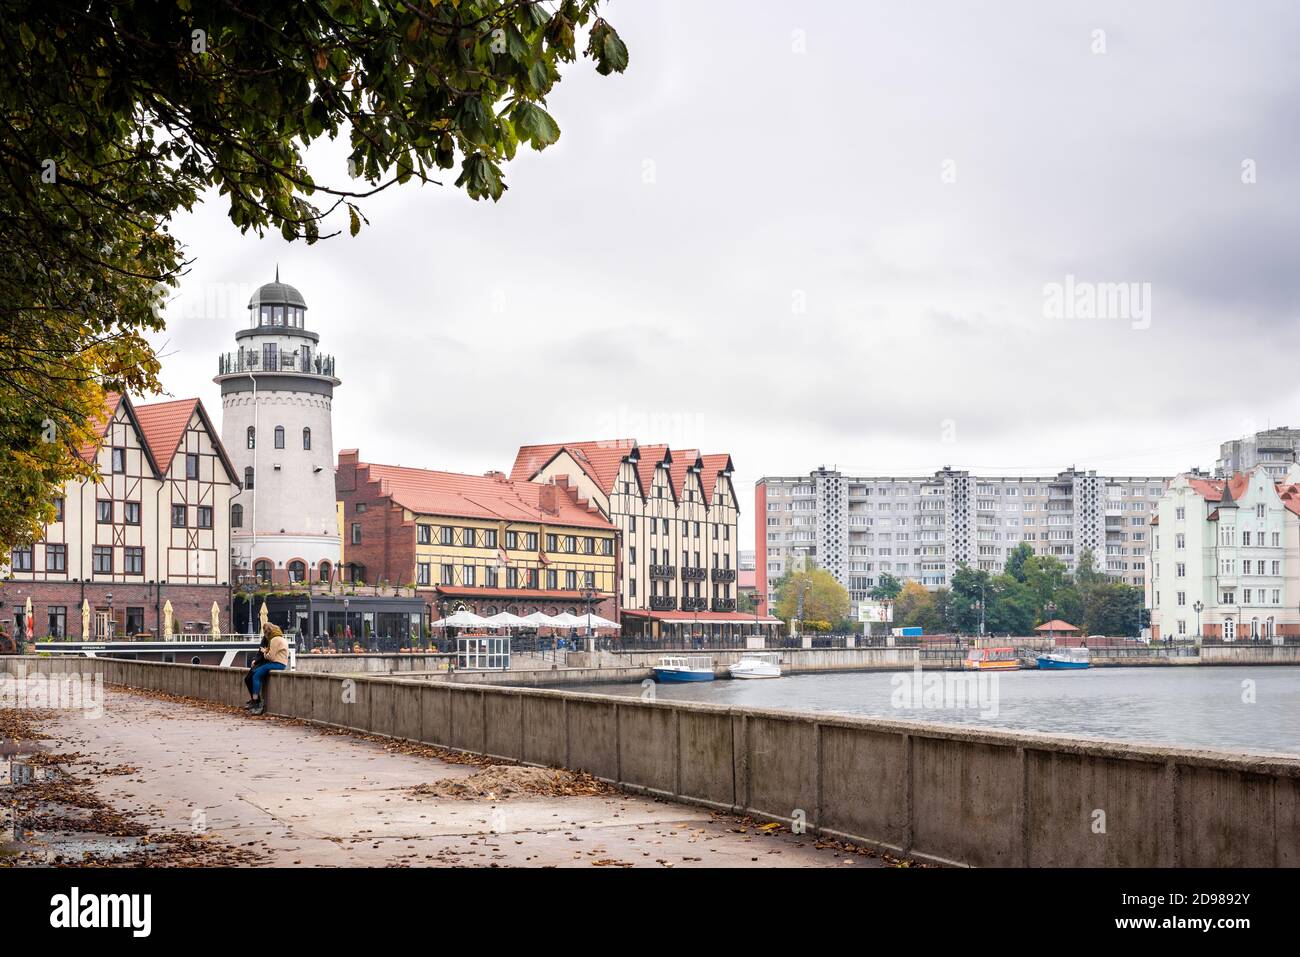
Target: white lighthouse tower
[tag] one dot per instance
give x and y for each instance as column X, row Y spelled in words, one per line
column 276, row 394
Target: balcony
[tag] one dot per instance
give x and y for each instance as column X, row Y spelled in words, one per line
column 724, row 574
column 691, row 574
column 663, row 603
column 293, row 363
column 662, row 571
column 724, row 604
column 695, row 604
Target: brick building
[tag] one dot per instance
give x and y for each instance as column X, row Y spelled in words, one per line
column 153, row 527
column 481, row 542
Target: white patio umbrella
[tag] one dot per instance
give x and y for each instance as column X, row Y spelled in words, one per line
column 506, row 620
column 463, row 619
column 592, row 620
column 542, row 620
column 567, row 620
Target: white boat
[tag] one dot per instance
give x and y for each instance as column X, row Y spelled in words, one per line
column 757, row 664
column 684, row 668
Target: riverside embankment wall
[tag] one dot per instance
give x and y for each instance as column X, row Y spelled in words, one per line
column 944, row 793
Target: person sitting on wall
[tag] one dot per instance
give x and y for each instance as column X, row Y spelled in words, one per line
column 258, row 659
column 276, row 659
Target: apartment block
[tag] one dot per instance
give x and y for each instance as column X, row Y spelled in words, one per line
column 923, row 527
column 1274, row 449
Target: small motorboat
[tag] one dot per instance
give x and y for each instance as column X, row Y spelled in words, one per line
column 991, row 659
column 684, row 668
column 757, row 664
column 1064, row 659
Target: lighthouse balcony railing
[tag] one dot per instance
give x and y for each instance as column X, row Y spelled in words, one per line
column 294, row 363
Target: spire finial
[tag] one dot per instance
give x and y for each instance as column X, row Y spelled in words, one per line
column 277, row 272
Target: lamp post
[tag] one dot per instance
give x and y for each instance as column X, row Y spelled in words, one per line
column 112, row 621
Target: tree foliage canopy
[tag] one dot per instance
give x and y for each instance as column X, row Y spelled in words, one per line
column 826, row 601
column 117, row 115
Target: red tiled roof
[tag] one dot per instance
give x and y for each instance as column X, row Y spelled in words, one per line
column 477, row 496
column 714, row 465
column 601, row 461
column 1212, row 491
column 101, row 421
column 1056, row 625
column 163, row 425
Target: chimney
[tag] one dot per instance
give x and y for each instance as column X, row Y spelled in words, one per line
column 548, row 499
column 495, row 475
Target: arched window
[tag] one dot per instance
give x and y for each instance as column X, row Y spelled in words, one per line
column 252, row 437
column 279, row 436
column 297, row 571
column 236, row 516
column 306, row 439
column 358, row 573
column 325, row 570
column 262, row 570
column 248, row 477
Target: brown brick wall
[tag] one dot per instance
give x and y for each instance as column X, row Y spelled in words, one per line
column 387, row 548
column 189, row 603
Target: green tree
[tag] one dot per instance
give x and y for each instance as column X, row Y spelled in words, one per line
column 1016, row 560
column 887, row 588
column 970, row 587
column 825, row 599
column 912, row 605
column 118, row 115
column 1011, row 608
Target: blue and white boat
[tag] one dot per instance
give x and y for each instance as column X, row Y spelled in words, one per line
column 1065, row 659
column 684, row 668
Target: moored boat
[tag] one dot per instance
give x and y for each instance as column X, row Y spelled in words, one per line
column 684, row 668
column 991, row 659
column 1065, row 659
column 757, row 664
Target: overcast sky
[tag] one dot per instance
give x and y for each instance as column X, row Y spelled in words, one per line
column 826, row 233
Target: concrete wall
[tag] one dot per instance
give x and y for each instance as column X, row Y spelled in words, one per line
column 370, row 664
column 1245, row 653
column 936, row 792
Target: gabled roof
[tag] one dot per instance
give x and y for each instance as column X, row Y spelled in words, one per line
column 602, row 460
column 493, row 497
column 1212, row 490
column 161, row 426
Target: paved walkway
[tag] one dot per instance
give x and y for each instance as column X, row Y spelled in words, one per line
column 289, row 794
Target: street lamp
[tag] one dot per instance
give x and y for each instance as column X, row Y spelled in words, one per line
column 112, row 621
column 1198, row 606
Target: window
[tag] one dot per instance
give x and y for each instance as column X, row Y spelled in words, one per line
column 490, row 577
column 56, row 558
column 21, row 559
column 205, row 516
column 252, row 437
column 306, row 439
column 325, row 570
column 489, row 538
column 356, row 533
column 101, row 559
column 424, row 534
column 448, row 573
column 552, row 578
column 446, row 535
column 58, row 509
column 191, row 465
column 530, row 541
column 297, row 571
column 512, row 541
column 104, row 512
column 552, row 543
column 262, row 570
column 1179, row 513
column 236, row 516
column 469, row 538
column 467, row 575
column 279, row 436
column 133, row 560
column 248, row 477
column 178, row 516
column 361, row 507
column 608, row 546
column 131, row 513
column 422, row 573
column 134, row 621
column 571, row 580
column 119, row 461
column 58, row 621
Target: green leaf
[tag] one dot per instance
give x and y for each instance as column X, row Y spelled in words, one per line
column 534, row 125
column 354, row 220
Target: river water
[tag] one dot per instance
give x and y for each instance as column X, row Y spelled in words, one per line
column 1236, row 708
